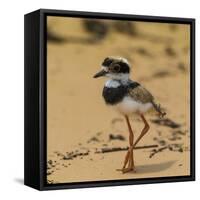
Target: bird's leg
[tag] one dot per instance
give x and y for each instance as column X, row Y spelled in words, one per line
column 129, row 155
column 144, row 130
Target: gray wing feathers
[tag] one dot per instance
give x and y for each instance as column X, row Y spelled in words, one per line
column 140, row 94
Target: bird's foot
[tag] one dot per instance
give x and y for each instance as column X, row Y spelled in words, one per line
column 128, row 169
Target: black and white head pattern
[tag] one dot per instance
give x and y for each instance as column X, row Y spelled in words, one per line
column 117, row 67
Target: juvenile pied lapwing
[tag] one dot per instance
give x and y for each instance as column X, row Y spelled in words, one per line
column 127, row 97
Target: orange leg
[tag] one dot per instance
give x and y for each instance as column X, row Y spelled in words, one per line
column 129, row 155
column 144, row 130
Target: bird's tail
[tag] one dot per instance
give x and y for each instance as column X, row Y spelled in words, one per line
column 158, row 109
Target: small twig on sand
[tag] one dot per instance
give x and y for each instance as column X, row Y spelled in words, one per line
column 171, row 147
column 155, row 151
column 72, row 155
column 114, row 149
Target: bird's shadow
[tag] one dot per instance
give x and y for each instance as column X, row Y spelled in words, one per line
column 153, row 168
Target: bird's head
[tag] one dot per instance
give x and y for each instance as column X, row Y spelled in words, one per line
column 115, row 68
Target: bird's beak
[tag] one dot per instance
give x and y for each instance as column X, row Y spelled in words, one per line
column 100, row 73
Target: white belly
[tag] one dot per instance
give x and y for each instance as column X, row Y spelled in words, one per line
column 129, row 106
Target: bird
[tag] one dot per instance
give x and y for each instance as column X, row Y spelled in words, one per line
column 128, row 97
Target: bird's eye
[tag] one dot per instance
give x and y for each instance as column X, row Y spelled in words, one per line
column 116, row 68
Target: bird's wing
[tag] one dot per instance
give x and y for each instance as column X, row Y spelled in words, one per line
column 139, row 93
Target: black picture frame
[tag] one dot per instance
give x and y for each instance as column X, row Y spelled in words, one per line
column 35, row 87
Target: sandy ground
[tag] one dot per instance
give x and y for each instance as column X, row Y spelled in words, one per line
column 81, row 128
